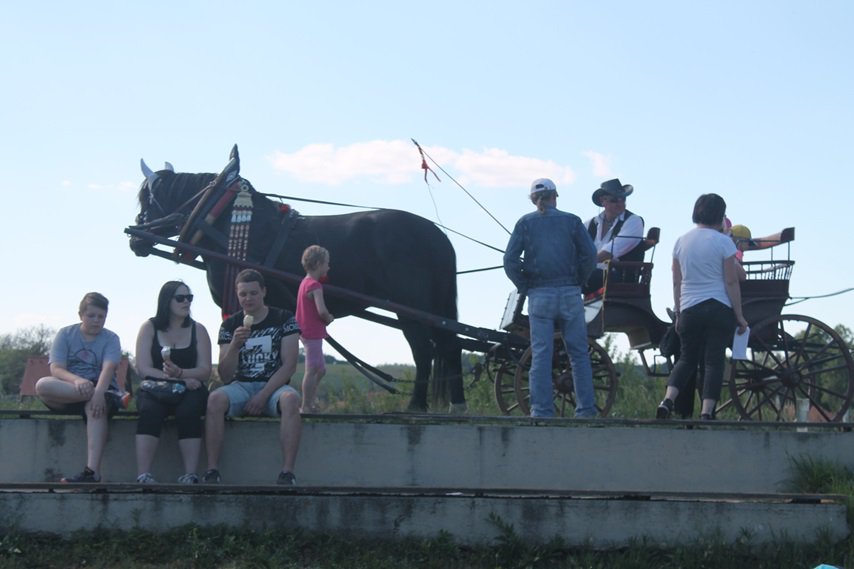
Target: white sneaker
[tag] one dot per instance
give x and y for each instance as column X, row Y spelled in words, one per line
column 146, row 478
column 189, row 478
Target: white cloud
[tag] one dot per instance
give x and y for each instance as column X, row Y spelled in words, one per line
column 397, row 161
column 494, row 167
column 600, row 163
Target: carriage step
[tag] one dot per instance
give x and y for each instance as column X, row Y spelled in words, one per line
column 471, row 516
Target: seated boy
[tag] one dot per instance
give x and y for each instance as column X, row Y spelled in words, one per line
column 83, row 362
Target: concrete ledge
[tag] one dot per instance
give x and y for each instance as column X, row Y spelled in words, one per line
column 425, row 452
column 586, row 521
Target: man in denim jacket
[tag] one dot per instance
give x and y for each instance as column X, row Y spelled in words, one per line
column 558, row 257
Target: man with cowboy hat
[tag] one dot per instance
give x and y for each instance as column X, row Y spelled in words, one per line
column 617, row 233
column 558, row 258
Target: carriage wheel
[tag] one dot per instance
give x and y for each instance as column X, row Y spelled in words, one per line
column 505, row 389
column 604, row 380
column 500, row 365
column 791, row 359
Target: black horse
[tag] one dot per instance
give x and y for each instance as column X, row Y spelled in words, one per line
column 385, row 254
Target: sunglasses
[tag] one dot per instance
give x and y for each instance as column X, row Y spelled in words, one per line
column 613, row 200
column 183, row 297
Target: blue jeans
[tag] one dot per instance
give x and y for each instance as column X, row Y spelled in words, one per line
column 563, row 305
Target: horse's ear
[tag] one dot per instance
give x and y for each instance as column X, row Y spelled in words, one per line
column 168, row 166
column 146, row 171
column 232, row 169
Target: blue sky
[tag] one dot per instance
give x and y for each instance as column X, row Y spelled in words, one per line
column 752, row 100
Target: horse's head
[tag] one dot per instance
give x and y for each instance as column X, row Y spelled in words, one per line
column 165, row 201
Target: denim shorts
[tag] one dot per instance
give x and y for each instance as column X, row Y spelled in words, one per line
column 240, row 392
column 112, row 402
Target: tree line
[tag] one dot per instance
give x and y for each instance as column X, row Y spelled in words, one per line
column 15, row 349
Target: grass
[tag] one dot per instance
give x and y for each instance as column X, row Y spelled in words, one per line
column 193, row 547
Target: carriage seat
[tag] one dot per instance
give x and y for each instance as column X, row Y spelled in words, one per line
column 630, row 279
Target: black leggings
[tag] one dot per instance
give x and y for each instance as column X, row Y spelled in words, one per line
column 705, row 330
column 188, row 413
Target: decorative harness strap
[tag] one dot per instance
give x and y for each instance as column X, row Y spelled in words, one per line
column 241, row 219
column 238, row 243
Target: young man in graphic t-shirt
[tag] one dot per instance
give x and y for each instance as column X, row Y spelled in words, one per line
column 259, row 348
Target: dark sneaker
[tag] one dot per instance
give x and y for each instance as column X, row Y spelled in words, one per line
column 87, row 476
column 189, row 478
column 286, row 479
column 665, row 408
column 706, row 417
column 211, row 476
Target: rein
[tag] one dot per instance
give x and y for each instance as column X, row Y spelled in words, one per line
column 307, row 200
column 441, row 226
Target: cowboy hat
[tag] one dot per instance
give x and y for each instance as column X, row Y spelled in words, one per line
column 612, row 188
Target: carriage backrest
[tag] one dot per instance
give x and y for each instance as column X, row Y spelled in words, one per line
column 765, row 291
column 627, row 307
column 651, row 240
column 632, row 278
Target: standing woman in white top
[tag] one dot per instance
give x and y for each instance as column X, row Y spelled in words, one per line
column 707, row 302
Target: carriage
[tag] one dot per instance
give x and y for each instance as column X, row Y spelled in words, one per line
column 795, row 364
column 795, row 367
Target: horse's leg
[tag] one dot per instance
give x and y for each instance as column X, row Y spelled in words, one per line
column 418, row 337
column 448, row 370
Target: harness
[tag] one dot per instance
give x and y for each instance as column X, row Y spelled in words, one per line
column 227, row 188
column 636, row 252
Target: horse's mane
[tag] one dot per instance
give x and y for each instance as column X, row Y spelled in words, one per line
column 179, row 186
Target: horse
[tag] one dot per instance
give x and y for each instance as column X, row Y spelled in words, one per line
column 384, row 254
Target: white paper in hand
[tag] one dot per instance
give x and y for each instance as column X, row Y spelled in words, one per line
column 739, row 344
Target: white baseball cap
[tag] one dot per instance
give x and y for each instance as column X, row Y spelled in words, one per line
column 542, row 185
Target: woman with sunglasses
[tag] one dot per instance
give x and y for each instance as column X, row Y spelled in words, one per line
column 172, row 346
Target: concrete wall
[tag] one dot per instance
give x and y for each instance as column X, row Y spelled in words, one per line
column 437, row 453
column 469, row 518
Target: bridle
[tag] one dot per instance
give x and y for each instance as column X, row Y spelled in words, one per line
column 178, row 219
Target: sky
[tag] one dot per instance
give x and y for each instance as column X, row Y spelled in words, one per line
column 751, row 100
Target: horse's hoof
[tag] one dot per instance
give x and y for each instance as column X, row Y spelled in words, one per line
column 458, row 409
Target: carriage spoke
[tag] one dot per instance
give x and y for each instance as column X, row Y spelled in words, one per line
column 724, row 406
column 770, row 399
column 827, row 391
column 503, row 388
